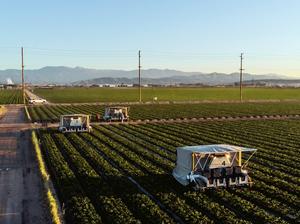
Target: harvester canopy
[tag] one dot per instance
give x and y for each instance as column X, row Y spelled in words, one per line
column 204, row 158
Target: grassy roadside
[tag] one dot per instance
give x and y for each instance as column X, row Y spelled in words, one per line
column 2, row 111
column 52, row 202
column 27, row 114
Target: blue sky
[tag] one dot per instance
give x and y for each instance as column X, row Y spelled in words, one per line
column 190, row 35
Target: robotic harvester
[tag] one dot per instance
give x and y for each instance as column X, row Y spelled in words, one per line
column 74, row 123
column 212, row 166
column 116, row 113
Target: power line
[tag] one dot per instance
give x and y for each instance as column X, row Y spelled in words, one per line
column 155, row 52
column 167, row 59
column 73, row 55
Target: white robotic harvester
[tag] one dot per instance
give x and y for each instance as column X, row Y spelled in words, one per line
column 116, row 113
column 212, row 166
column 75, row 123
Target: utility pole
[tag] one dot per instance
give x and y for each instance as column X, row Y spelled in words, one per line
column 23, row 84
column 241, row 77
column 140, row 87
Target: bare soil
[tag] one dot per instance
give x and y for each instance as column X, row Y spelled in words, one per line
column 21, row 196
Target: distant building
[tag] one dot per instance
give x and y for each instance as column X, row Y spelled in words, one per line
column 109, row 85
column 10, row 86
column 143, row 85
column 125, row 85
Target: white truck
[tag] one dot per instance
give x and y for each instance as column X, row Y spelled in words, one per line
column 37, row 101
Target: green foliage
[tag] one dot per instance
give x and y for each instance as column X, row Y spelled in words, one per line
column 11, row 96
column 112, row 154
column 172, row 111
column 88, row 95
column 78, row 208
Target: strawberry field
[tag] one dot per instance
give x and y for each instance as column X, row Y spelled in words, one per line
column 122, row 173
column 89, row 95
column 51, row 113
column 10, row 96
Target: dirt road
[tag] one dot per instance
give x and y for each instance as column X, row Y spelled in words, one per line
column 32, row 96
column 20, row 185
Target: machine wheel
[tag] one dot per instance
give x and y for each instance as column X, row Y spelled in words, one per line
column 199, row 185
column 250, row 182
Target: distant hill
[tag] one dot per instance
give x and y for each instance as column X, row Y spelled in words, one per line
column 274, row 82
column 79, row 75
column 206, row 79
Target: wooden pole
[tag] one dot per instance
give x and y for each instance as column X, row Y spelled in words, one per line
column 23, row 84
column 140, row 87
column 241, row 77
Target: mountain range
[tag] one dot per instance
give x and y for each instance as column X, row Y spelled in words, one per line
column 82, row 76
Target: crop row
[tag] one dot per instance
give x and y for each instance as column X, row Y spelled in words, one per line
column 142, row 206
column 110, row 207
column 129, row 167
column 286, row 197
column 51, row 113
column 213, row 139
column 10, row 96
column 76, row 205
column 106, row 134
column 174, row 201
column 280, row 182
